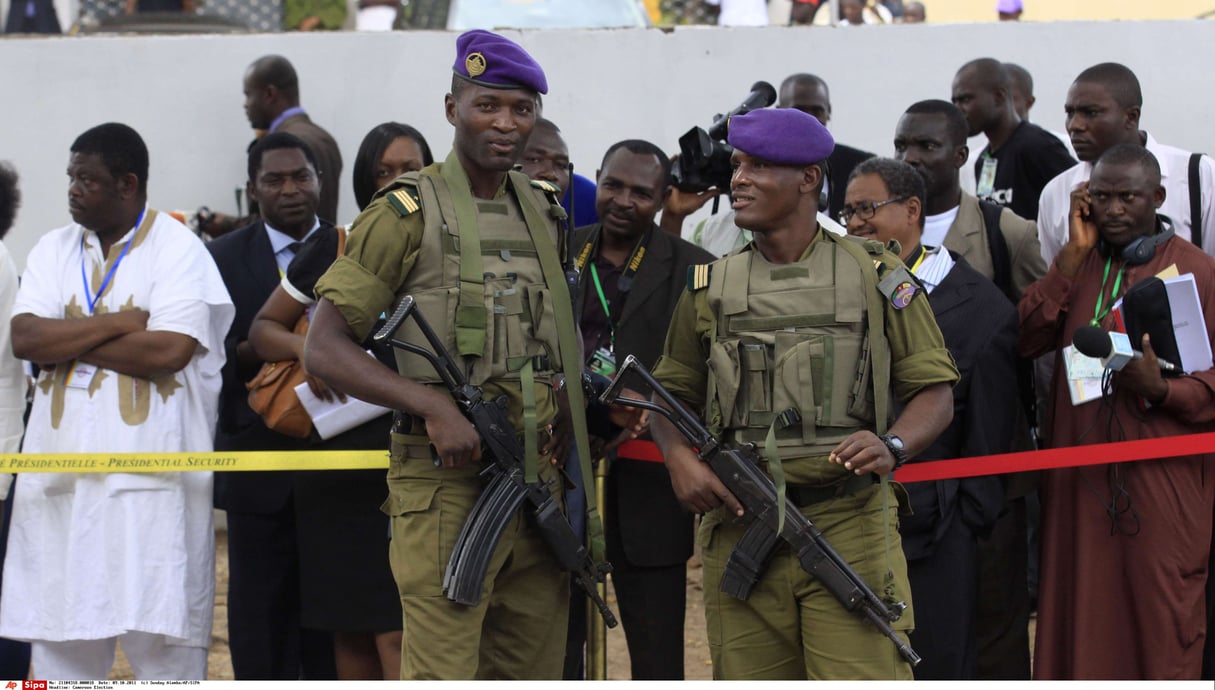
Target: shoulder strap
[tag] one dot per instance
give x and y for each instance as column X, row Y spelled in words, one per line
column 567, row 343
column 1195, row 200
column 1000, row 261
column 867, row 257
column 470, row 316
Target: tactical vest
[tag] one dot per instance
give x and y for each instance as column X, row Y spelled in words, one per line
column 795, row 336
column 498, row 317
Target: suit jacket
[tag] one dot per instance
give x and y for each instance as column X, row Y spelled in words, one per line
column 968, row 237
column 328, row 160
column 246, row 263
column 655, row 529
column 980, row 329
column 840, row 165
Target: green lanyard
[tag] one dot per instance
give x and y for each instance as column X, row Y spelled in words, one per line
column 606, row 310
column 623, row 285
column 1098, row 314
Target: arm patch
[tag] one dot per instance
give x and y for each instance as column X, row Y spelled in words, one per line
column 899, row 286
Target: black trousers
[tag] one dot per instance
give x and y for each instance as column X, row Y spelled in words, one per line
column 944, row 592
column 1003, row 624
column 264, row 633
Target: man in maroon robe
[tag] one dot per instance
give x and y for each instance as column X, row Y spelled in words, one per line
column 1124, row 546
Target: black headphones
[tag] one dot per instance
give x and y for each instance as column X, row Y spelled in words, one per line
column 1141, row 249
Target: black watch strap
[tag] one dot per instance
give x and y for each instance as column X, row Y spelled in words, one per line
column 895, row 445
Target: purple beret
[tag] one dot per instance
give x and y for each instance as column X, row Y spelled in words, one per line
column 785, row 136
column 497, row 62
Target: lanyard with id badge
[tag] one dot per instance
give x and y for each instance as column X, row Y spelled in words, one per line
column 603, row 359
column 1085, row 375
column 986, row 183
column 81, row 374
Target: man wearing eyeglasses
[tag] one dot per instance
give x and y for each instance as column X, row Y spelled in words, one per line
column 931, row 137
column 885, row 201
column 807, row 321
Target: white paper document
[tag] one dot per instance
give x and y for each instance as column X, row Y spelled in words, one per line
column 333, row 417
column 1189, row 325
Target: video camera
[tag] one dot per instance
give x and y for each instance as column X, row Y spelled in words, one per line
column 704, row 156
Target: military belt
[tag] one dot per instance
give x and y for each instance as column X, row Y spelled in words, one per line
column 805, row 496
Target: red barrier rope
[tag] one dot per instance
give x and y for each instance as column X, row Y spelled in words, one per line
column 1075, row 456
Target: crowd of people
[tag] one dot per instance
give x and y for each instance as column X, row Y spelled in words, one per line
column 848, row 314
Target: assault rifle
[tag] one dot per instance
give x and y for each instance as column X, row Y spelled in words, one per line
column 738, row 469
column 506, row 487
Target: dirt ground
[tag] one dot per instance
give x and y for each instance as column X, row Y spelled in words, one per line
column 696, row 649
column 697, row 665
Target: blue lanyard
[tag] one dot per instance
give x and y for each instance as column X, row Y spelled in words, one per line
column 94, row 299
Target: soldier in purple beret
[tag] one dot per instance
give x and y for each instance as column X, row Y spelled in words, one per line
column 471, row 241
column 832, row 328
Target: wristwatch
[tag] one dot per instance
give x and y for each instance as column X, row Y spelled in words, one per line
column 897, row 449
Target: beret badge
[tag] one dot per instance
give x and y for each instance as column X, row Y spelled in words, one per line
column 475, row 64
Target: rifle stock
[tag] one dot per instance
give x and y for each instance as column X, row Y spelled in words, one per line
column 738, row 469
column 506, row 489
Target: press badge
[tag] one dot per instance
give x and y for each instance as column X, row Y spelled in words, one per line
column 80, row 375
column 1084, row 376
column 987, row 178
column 603, row 362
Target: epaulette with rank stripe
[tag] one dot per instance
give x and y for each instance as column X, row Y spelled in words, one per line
column 698, row 277
column 546, row 187
column 404, row 200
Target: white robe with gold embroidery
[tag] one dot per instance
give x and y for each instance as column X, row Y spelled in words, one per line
column 92, row 556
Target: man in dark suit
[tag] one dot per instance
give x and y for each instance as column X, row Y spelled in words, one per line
column 272, row 103
column 632, row 276
column 885, row 200
column 809, row 94
column 999, row 244
column 263, row 586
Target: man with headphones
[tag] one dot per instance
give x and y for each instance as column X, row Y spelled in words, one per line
column 1124, row 546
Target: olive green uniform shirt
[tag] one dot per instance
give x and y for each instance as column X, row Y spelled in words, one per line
column 918, row 355
column 381, row 250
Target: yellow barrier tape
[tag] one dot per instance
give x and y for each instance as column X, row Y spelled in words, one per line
column 247, row 461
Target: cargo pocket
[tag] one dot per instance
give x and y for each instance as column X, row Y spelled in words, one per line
column 438, row 306
column 415, row 554
column 723, row 380
column 756, row 381
column 509, row 344
column 801, row 360
column 860, row 399
column 543, row 322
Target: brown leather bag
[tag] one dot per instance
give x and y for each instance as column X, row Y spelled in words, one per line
column 272, row 391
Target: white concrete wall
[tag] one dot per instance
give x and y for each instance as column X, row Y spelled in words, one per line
column 183, row 94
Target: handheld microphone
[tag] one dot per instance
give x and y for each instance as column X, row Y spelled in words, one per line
column 1112, row 348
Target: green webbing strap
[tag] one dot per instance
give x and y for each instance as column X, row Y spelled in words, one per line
column 879, row 362
column 470, row 308
column 531, row 453
column 554, row 276
column 777, row 470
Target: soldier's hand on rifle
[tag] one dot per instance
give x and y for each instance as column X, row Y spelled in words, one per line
column 695, row 485
column 863, row 452
column 632, row 419
column 455, row 438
